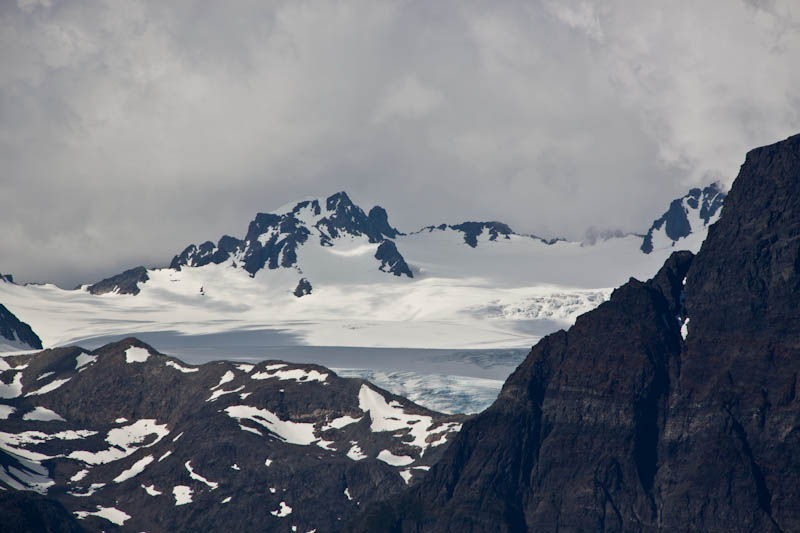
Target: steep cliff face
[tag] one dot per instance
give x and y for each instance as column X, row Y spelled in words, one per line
column 672, row 406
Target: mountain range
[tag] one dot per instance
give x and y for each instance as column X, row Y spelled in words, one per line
column 354, row 265
column 667, row 405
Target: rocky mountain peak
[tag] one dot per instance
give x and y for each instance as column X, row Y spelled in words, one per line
column 273, row 239
column 693, row 212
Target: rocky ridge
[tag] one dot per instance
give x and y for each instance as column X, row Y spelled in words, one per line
column 671, row 407
column 17, row 332
column 125, row 436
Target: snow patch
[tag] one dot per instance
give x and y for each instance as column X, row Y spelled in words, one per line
column 151, row 490
column 288, row 431
column 197, row 477
column 226, row 377
column 219, row 392
column 134, row 354
column 45, row 376
column 395, row 460
column 137, row 468
column 13, row 389
column 43, row 414
column 685, row 328
column 112, row 514
column 283, row 510
column 391, row 417
column 339, row 423
column 297, row 374
column 79, row 475
column 94, row 487
column 182, row 494
column 355, row 452
column 180, row 368
column 124, row 441
column 6, row 411
column 84, row 359
column 53, row 385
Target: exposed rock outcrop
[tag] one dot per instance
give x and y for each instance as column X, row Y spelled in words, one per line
column 671, row 407
column 125, row 283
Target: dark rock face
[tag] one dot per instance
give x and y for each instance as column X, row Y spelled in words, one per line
column 125, row 283
column 206, row 253
column 303, row 288
column 471, row 231
column 7, row 277
column 29, row 512
column 15, row 330
column 221, row 446
column 676, row 222
column 380, row 221
column 391, row 260
column 671, row 407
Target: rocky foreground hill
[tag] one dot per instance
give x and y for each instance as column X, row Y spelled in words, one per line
column 125, row 437
column 671, row 407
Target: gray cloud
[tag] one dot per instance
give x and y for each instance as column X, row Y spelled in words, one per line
column 128, row 130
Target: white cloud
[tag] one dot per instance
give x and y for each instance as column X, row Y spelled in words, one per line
column 128, row 130
column 407, row 98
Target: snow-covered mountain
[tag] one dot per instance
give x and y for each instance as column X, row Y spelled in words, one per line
column 361, row 282
column 688, row 217
column 273, row 239
column 126, row 436
column 325, row 273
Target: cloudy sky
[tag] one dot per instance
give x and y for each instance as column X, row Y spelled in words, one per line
column 131, row 129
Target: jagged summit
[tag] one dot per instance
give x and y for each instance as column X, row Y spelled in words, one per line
column 273, row 239
column 692, row 213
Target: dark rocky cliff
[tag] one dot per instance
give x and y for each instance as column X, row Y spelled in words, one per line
column 14, row 330
column 672, row 407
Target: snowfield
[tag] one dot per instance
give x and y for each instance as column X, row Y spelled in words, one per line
column 503, row 294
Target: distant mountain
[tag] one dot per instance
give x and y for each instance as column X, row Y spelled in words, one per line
column 692, row 213
column 671, row 407
column 273, row 239
column 124, row 435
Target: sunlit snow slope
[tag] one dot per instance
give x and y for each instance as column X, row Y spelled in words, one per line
column 474, row 285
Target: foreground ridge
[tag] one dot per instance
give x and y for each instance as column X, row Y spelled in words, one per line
column 126, row 436
column 671, row 407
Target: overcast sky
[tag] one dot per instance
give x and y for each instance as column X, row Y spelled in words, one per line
column 131, row 129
